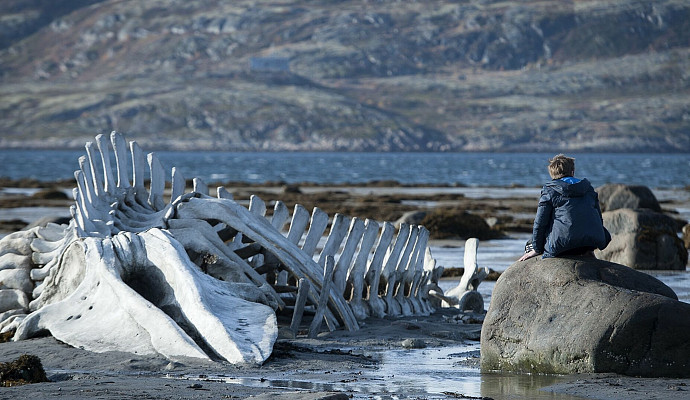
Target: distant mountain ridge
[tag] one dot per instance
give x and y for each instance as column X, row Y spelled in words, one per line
column 473, row 75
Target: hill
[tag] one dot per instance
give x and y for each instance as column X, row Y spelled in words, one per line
column 464, row 75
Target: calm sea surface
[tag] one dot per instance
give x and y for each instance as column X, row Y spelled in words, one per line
column 471, row 169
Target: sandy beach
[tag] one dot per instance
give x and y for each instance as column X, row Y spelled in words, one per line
column 420, row 357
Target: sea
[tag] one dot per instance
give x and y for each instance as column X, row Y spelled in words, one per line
column 656, row 170
column 475, row 174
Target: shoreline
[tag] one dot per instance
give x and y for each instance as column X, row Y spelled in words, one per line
column 340, row 365
column 375, row 361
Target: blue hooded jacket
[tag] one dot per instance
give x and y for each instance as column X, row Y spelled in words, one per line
column 568, row 217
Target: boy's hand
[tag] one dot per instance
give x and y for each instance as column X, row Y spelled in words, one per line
column 528, row 255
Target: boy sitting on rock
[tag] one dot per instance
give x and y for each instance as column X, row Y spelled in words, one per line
column 568, row 220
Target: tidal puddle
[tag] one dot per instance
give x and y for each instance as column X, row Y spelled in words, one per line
column 449, row 372
column 430, row 373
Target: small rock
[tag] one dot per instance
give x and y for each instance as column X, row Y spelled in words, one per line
column 51, row 194
column 172, row 365
column 285, row 333
column 292, row 189
column 413, row 344
column 411, row 217
column 335, row 396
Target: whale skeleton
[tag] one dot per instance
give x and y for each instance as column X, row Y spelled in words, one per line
column 187, row 274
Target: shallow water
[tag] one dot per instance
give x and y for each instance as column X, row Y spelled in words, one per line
column 499, row 254
column 442, row 371
column 432, row 373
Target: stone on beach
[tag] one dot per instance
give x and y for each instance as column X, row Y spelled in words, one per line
column 445, row 223
column 411, row 218
column 643, row 239
column 582, row 315
column 614, row 196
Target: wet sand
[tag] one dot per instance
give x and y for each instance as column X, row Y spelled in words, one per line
column 339, row 365
column 377, row 361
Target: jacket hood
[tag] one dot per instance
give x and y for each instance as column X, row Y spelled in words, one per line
column 570, row 189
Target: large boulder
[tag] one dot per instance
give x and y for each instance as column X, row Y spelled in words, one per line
column 614, row 196
column 643, row 239
column 583, row 315
column 448, row 223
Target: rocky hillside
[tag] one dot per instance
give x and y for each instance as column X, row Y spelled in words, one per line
column 463, row 75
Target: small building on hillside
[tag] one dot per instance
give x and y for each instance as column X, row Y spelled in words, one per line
column 269, row 64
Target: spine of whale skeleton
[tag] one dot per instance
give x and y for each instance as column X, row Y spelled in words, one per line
column 188, row 274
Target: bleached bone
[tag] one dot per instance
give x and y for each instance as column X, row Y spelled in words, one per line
column 377, row 306
column 138, row 166
column 13, row 299
column 280, row 215
column 355, row 277
column 388, row 277
column 120, row 150
column 223, row 193
column 177, row 185
column 393, row 306
column 354, row 235
column 256, row 205
column 92, row 174
column 109, row 184
column 298, row 224
column 406, row 294
column 301, row 301
column 157, row 183
column 184, row 277
column 10, row 320
column 260, row 230
column 199, row 186
column 15, row 261
column 465, row 294
column 335, row 238
column 421, row 296
column 16, row 245
column 323, row 299
column 405, row 272
column 199, row 237
column 278, row 220
column 16, row 279
column 52, row 232
column 44, row 246
column 317, row 225
column 191, row 299
column 431, row 284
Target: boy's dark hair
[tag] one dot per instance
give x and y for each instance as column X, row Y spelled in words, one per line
column 561, row 166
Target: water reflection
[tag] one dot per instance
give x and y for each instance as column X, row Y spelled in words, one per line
column 432, row 373
column 521, row 386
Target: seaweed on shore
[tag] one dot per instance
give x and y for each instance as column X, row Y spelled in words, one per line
column 24, row 370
